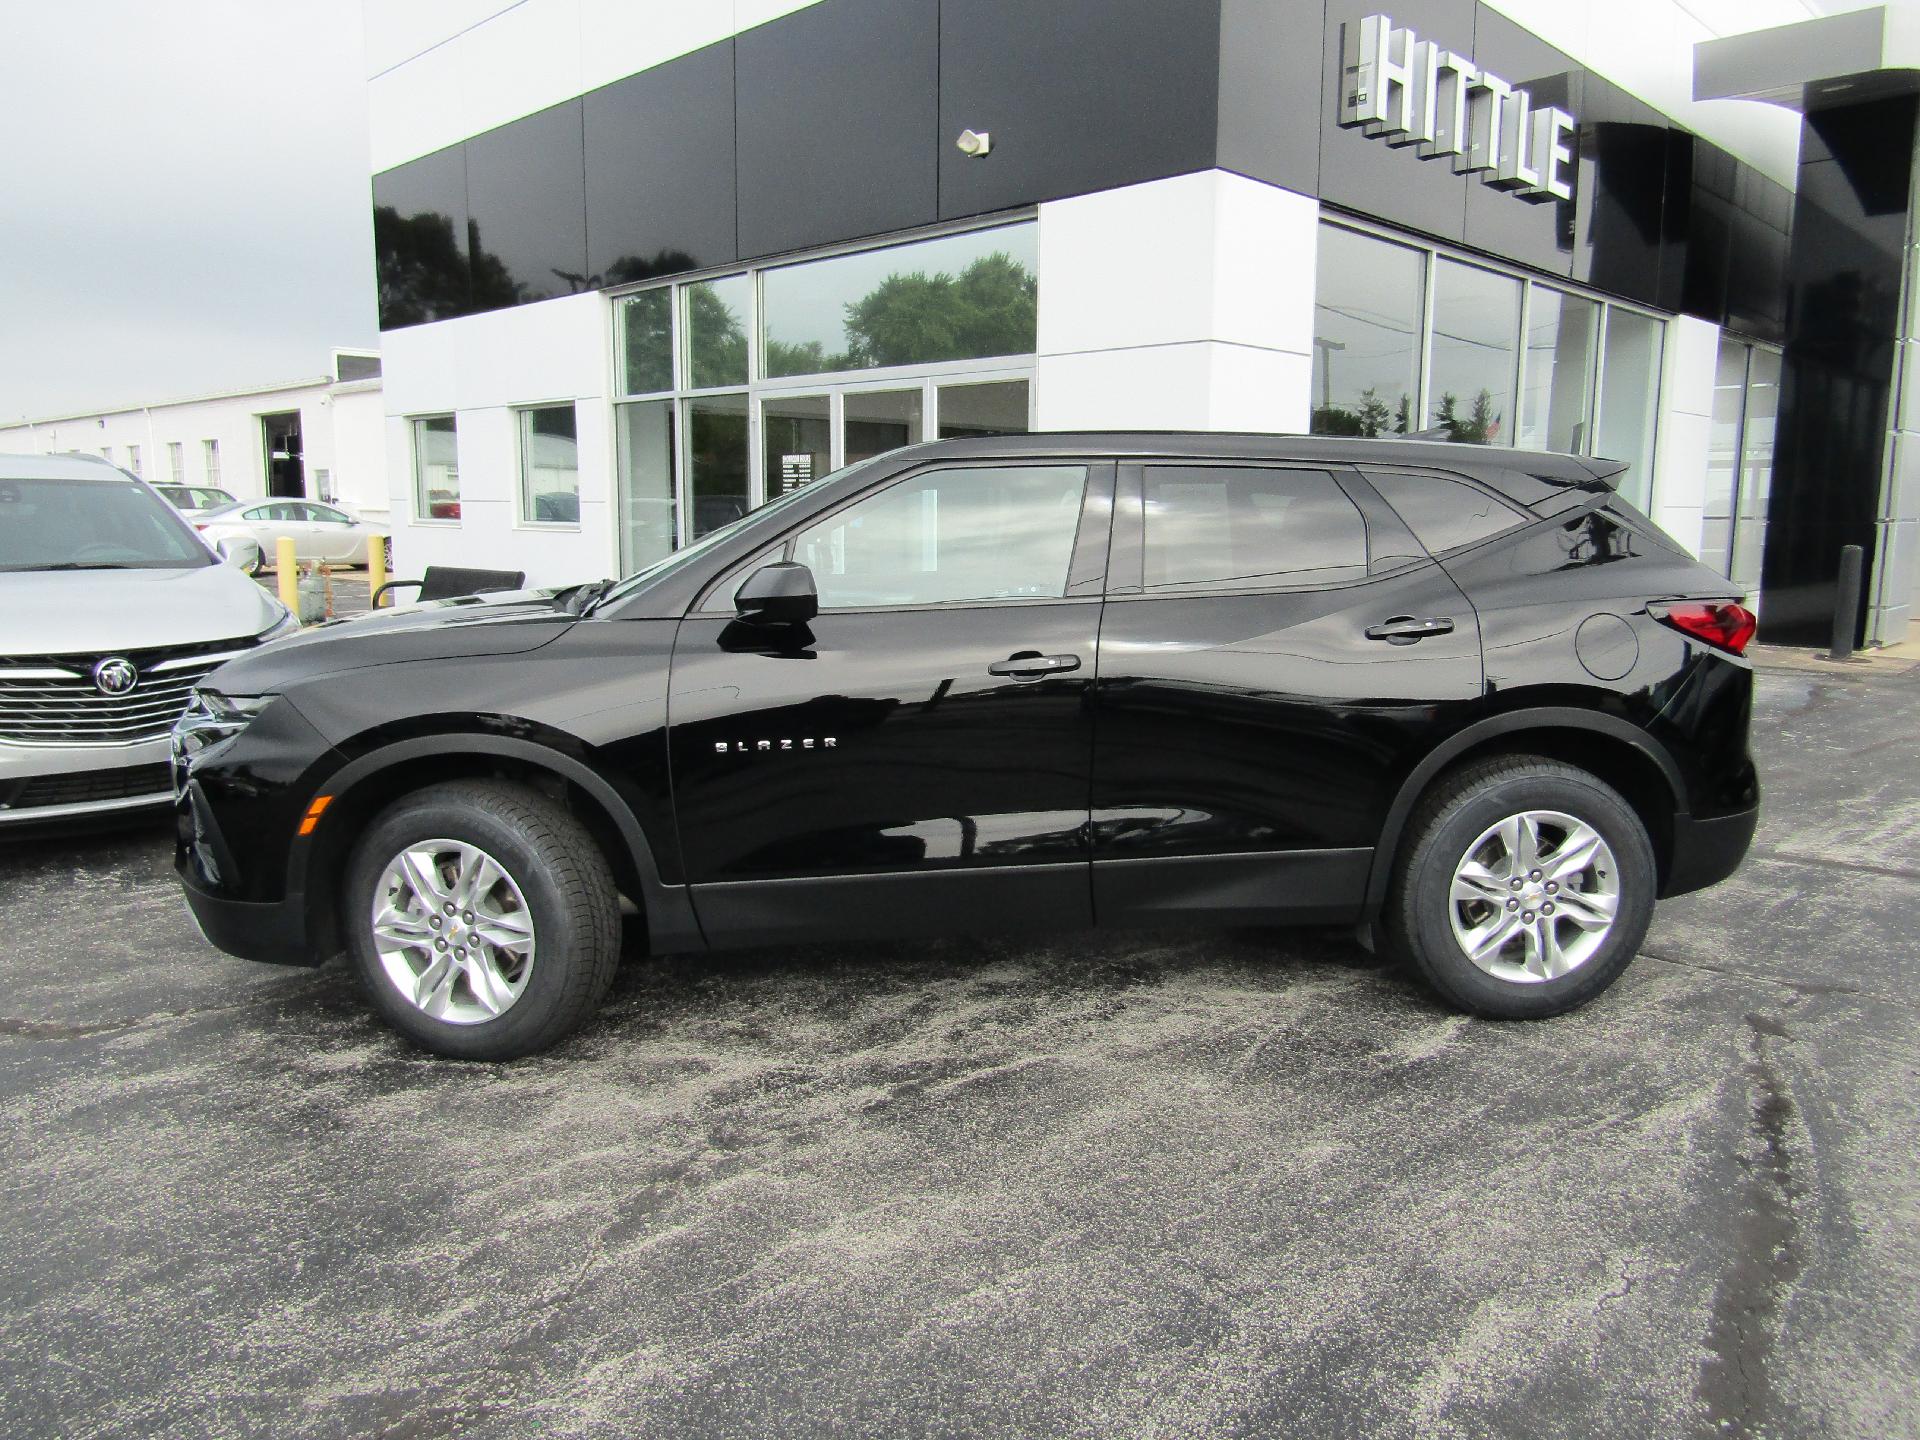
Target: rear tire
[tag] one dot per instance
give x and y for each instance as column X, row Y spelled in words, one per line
column 536, row 936
column 1524, row 888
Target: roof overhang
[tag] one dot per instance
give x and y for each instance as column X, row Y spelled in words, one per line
column 1815, row 64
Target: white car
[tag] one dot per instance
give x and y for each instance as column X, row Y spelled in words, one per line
column 318, row 532
column 194, row 501
column 111, row 610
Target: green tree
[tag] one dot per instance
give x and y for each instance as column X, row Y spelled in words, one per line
column 989, row 308
column 421, row 273
column 717, row 342
column 1370, row 419
column 1479, row 427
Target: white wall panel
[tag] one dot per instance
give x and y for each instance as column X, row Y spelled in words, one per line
column 625, row 36
column 443, row 73
column 482, row 368
column 398, row 30
column 414, row 110
column 1684, row 429
column 522, row 60
column 1184, row 303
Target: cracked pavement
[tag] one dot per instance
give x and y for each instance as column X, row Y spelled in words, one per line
column 1100, row 1185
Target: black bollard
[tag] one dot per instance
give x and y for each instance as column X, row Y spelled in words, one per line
column 1846, row 602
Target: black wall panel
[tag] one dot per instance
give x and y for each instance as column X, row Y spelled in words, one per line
column 1360, row 173
column 1535, row 233
column 1620, row 198
column 1843, row 303
column 660, row 191
column 1077, row 98
column 837, row 122
column 1270, row 78
column 420, row 239
column 527, row 209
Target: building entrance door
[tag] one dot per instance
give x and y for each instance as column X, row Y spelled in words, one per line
column 286, row 471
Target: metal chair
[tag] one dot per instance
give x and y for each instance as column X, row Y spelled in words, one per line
column 447, row 582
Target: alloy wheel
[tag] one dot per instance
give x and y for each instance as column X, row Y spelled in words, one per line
column 453, row 931
column 1534, row 897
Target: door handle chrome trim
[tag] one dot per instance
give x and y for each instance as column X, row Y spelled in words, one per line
column 1031, row 665
column 1405, row 629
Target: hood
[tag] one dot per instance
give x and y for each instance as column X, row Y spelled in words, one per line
column 53, row 612
column 509, row 623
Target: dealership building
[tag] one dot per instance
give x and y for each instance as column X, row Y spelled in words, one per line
column 643, row 266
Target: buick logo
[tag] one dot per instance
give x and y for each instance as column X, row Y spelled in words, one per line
column 115, row 676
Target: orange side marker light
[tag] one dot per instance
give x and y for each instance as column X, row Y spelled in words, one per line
column 314, row 812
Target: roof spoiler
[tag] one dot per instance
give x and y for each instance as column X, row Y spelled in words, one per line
column 1607, row 472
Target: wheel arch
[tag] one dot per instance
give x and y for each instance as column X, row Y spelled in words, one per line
column 358, row 793
column 1621, row 754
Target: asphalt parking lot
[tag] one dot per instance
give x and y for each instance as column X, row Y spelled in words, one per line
column 1133, row 1185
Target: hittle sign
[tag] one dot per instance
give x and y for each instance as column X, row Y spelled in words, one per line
column 1411, row 92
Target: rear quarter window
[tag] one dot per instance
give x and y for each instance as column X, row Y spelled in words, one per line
column 1243, row 528
column 1445, row 514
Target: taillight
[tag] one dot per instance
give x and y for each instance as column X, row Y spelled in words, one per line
column 1720, row 623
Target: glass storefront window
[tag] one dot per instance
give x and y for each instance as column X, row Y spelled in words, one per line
column 549, row 466
column 797, row 432
column 995, row 408
column 959, row 297
column 1556, row 411
column 1629, row 397
column 717, row 489
column 644, row 433
column 1366, row 335
column 717, row 332
column 436, row 469
column 876, row 421
column 646, row 341
column 1476, row 326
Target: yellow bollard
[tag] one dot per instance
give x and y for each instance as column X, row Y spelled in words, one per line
column 287, row 571
column 376, row 562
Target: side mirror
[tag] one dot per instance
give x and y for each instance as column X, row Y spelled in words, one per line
column 238, row 551
column 778, row 594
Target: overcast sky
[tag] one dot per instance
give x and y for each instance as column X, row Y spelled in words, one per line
column 183, row 198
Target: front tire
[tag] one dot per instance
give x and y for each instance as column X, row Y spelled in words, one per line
column 482, row 918
column 1523, row 890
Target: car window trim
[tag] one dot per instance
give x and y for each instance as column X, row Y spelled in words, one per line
column 1086, row 563
column 1130, row 529
column 1522, row 517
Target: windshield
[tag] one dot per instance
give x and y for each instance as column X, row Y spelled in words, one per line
column 670, row 563
column 92, row 525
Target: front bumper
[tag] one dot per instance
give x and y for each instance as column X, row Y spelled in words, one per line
column 52, row 784
column 272, row 930
column 1705, row 852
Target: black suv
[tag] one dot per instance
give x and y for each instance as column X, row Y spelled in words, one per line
column 1467, row 699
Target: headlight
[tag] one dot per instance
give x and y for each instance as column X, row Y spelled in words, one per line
column 287, row 624
column 211, row 718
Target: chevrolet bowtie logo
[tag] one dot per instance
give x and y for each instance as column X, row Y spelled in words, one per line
column 750, row 747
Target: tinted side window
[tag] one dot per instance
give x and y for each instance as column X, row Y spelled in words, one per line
column 1444, row 513
column 950, row 535
column 1221, row 526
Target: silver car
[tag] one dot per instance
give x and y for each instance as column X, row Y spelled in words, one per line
column 111, row 609
column 318, row 532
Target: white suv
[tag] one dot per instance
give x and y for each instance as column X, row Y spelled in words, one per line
column 111, row 610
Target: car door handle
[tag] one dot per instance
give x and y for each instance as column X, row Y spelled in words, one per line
column 1405, row 629
column 1031, row 665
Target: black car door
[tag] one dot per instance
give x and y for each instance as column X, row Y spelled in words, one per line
column 919, row 757
column 1270, row 661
